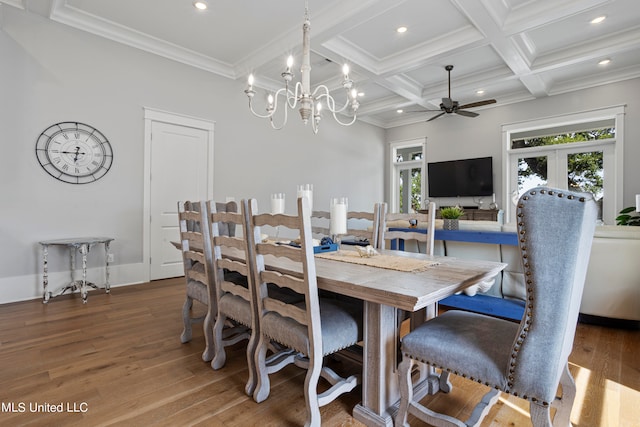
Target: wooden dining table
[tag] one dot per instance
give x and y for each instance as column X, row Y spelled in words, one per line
column 384, row 291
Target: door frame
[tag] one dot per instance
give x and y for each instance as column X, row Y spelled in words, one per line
column 154, row 115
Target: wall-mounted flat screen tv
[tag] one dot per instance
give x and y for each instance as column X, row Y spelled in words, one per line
column 459, row 178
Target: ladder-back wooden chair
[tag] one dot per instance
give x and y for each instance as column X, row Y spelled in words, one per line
column 196, row 257
column 313, row 328
column 231, row 272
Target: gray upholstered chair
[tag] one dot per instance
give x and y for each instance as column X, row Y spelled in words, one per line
column 313, row 328
column 196, row 257
column 234, row 301
column 529, row 359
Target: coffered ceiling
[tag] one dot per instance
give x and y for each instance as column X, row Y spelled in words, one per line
column 513, row 50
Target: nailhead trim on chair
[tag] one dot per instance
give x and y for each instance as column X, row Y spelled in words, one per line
column 528, row 273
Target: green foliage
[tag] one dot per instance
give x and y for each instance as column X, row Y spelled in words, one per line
column 626, row 219
column 451, row 212
column 585, row 169
column 416, row 193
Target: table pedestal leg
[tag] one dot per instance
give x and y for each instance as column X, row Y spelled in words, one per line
column 380, row 382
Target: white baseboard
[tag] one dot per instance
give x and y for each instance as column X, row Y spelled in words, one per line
column 24, row 288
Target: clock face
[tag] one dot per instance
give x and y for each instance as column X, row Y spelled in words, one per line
column 74, row 152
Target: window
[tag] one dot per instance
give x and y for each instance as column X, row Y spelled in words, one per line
column 580, row 152
column 407, row 177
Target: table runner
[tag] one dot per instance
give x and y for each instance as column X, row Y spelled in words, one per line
column 389, row 262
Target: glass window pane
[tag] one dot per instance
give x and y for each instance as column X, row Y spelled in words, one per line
column 532, row 172
column 586, row 172
column 406, row 154
column 564, row 138
column 411, row 195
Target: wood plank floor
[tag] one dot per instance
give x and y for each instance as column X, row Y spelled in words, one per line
column 118, row 360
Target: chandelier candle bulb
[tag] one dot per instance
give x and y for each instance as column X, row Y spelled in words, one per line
column 338, row 216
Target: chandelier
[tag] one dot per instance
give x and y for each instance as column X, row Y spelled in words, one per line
column 310, row 101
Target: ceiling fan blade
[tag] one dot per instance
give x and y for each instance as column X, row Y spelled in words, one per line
column 422, row 111
column 436, row 116
column 447, row 103
column 478, row 104
column 466, row 113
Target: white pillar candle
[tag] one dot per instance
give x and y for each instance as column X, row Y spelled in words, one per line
column 637, row 202
column 306, row 190
column 277, row 203
column 338, row 214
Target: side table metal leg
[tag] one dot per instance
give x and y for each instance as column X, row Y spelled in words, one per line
column 72, row 268
column 45, row 274
column 83, row 288
column 107, row 286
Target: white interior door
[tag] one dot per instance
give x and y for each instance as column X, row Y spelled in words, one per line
column 181, row 163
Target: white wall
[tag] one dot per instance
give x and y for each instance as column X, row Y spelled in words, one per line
column 51, row 73
column 456, row 137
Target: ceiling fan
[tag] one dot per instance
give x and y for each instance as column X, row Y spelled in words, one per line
column 449, row 106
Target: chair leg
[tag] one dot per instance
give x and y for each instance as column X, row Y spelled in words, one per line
column 251, row 362
column 540, row 415
column 209, row 349
column 220, row 356
column 564, row 404
column 186, row 320
column 406, row 391
column 311, row 393
column 261, row 391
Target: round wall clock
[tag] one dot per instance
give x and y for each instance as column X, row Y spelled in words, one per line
column 74, row 152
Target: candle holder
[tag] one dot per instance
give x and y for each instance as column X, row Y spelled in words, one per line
column 306, row 190
column 338, row 218
column 277, row 207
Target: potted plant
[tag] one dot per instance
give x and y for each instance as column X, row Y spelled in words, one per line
column 626, row 217
column 451, row 215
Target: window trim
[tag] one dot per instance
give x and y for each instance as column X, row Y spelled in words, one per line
column 395, row 166
column 615, row 154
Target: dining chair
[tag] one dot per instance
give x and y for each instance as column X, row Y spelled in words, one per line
column 530, row 359
column 233, row 293
column 320, row 221
column 364, row 226
column 196, row 257
column 313, row 328
column 404, row 231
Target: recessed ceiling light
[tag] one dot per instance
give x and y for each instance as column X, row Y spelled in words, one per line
column 401, row 30
column 604, row 61
column 360, row 94
column 200, row 5
column 480, row 91
column 598, row 20
column 399, row 110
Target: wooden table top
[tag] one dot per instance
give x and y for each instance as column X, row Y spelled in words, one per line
column 408, row 291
